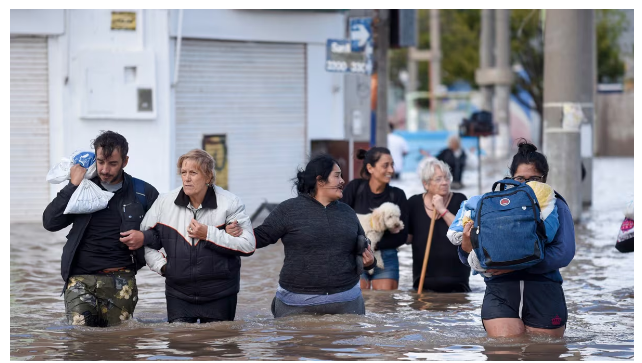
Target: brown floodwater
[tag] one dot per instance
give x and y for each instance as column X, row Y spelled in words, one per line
column 398, row 325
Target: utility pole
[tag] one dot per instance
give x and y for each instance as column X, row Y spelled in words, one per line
column 569, row 86
column 381, row 39
column 433, row 57
column 502, row 87
column 412, row 64
column 486, row 57
column 435, row 65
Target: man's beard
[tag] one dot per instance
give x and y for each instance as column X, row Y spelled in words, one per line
column 111, row 181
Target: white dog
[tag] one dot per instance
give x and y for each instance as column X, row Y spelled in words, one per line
column 386, row 217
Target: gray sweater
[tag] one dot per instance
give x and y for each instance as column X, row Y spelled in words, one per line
column 320, row 244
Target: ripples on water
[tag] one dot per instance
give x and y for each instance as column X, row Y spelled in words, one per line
column 398, row 326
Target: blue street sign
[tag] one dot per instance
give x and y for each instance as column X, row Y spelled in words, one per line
column 360, row 33
column 341, row 58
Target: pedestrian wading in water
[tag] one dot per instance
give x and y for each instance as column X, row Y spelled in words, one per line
column 529, row 300
column 201, row 264
column 103, row 249
column 370, row 192
column 325, row 248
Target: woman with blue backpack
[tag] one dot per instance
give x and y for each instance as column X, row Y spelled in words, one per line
column 529, row 299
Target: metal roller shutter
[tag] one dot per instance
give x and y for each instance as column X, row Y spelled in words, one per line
column 254, row 93
column 29, row 128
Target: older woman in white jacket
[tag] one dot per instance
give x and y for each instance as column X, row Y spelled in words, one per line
column 201, row 263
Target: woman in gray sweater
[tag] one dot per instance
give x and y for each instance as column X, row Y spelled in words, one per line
column 325, row 247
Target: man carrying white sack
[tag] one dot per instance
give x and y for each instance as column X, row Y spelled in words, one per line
column 103, row 249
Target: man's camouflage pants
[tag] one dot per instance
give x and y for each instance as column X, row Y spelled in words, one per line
column 104, row 299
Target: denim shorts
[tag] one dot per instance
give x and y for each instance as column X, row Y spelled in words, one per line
column 391, row 267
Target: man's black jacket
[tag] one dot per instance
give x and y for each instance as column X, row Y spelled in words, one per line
column 53, row 219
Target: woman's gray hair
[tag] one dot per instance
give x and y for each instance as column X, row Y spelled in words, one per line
column 204, row 161
column 428, row 172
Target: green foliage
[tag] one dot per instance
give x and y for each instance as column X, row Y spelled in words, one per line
column 459, row 47
column 460, row 31
column 527, row 50
column 610, row 25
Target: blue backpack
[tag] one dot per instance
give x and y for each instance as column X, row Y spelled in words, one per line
column 508, row 231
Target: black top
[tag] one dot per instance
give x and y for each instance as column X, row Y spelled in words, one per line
column 320, row 244
column 100, row 247
column 455, row 163
column 357, row 194
column 445, row 272
column 54, row 219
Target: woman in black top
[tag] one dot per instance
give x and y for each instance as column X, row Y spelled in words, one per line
column 444, row 272
column 370, row 192
column 324, row 253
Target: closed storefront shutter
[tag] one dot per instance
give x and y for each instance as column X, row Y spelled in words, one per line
column 29, row 128
column 254, row 94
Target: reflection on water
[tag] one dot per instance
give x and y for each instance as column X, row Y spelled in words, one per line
column 399, row 325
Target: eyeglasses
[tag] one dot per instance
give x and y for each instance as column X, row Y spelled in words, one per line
column 521, row 179
column 440, row 180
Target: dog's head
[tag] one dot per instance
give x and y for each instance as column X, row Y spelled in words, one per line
column 387, row 216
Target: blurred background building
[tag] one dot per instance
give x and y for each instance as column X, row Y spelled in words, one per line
column 248, row 85
column 251, row 87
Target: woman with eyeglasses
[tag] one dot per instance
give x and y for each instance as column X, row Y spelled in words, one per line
column 530, row 300
column 444, row 272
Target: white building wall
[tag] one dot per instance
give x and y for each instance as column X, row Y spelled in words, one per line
column 89, row 34
column 37, row 22
column 325, row 100
column 73, row 33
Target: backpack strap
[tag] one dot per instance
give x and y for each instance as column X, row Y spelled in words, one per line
column 559, row 196
column 139, row 189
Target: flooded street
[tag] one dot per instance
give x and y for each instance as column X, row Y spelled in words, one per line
column 399, row 325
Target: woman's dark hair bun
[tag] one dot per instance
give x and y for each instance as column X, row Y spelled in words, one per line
column 526, row 147
column 361, row 154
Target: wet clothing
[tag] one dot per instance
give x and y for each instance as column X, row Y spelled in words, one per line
column 124, row 201
column 197, row 271
column 101, row 300
column 101, row 247
column 444, row 272
column 557, row 254
column 539, row 304
column 320, row 244
column 294, row 299
column 287, row 303
column 181, row 311
column 456, row 160
column 356, row 306
column 542, row 297
column 390, row 270
column 91, row 297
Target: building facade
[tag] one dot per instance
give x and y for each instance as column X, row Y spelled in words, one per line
column 249, row 86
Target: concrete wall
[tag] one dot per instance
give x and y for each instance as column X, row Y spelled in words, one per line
column 325, row 91
column 37, row 22
column 614, row 124
column 80, row 39
column 88, row 32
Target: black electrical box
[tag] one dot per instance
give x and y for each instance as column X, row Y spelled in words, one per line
column 479, row 124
